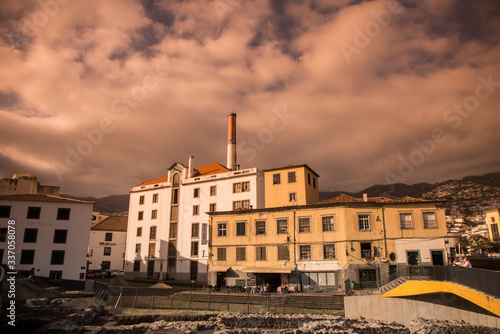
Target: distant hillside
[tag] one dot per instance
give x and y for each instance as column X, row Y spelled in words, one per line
column 114, row 204
column 463, row 197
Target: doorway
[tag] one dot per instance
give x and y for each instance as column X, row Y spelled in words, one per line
column 368, row 278
column 193, row 272
column 437, row 258
column 151, row 268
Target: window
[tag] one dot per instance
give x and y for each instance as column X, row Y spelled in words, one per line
column 137, row 265
column 27, row 256
column 430, row 220
column 213, row 190
column 137, row 248
column 3, row 234
column 140, row 215
column 30, row 235
column 152, row 249
column 194, row 248
column 328, row 223
column 405, row 219
column 305, row 252
column 139, row 231
column 4, row 211
column 292, row 197
column 57, row 257
column 195, row 230
column 172, row 248
column 196, row 193
column 107, row 251
column 152, row 233
column 276, row 178
column 282, row 225
column 106, row 265
column 155, row 198
column 108, row 237
column 314, row 183
column 221, row 254
column 308, row 178
column 364, row 222
column 283, row 253
column 55, row 274
column 291, row 177
column 221, row 229
column 196, row 209
column 494, row 232
column 141, row 199
column 329, row 251
column 260, row 254
column 173, row 231
column 175, row 196
column 33, row 212
column 154, row 214
column 240, row 187
column 213, row 207
column 260, row 227
column 366, row 250
column 241, row 254
column 240, row 228
column 63, row 213
column 245, row 204
column 174, row 213
column 304, row 225
column 60, row 236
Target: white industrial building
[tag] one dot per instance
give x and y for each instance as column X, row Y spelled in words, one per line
column 51, row 235
column 168, row 222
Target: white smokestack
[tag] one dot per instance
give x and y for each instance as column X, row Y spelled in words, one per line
column 190, row 167
column 231, row 142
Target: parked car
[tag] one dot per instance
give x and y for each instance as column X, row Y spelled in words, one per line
column 119, row 272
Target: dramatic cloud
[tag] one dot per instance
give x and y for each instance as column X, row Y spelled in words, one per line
column 99, row 96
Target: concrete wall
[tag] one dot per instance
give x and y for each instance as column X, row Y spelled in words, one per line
column 404, row 310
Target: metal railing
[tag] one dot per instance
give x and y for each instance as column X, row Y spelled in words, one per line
column 196, row 299
column 486, row 281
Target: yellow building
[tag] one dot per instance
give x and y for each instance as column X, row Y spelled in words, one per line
column 291, row 186
column 318, row 246
column 492, row 219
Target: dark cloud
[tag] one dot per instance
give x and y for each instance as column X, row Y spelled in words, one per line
column 156, row 13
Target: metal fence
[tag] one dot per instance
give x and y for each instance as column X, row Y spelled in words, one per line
column 196, row 299
column 486, row 281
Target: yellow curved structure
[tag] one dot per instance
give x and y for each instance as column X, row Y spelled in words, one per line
column 413, row 288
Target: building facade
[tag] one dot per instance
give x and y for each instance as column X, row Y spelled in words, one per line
column 492, row 220
column 26, row 184
column 291, row 185
column 51, row 235
column 168, row 220
column 107, row 244
column 318, row 246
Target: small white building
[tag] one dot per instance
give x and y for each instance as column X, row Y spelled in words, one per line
column 107, row 244
column 51, row 234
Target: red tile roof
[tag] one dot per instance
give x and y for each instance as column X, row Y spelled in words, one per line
column 158, row 180
column 112, row 223
column 41, row 198
column 213, row 168
column 343, row 198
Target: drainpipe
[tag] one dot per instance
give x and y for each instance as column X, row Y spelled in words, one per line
column 294, row 241
column 385, row 236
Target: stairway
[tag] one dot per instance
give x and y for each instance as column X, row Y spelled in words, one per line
column 393, row 284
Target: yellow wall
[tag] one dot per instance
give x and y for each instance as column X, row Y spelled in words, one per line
column 277, row 195
column 346, row 236
column 492, row 217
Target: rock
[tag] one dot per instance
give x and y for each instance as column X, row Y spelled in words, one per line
column 34, row 302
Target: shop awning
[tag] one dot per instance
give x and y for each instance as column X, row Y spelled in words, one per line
column 216, row 269
column 267, row 270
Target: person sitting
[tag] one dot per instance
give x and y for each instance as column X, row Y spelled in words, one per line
column 466, row 263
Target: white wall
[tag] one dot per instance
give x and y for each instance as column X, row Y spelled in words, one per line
column 76, row 246
column 424, row 246
column 97, row 243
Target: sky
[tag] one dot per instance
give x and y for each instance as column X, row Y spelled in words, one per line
column 99, row 96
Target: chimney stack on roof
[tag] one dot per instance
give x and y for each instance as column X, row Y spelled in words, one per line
column 231, row 142
column 365, row 197
column 190, row 167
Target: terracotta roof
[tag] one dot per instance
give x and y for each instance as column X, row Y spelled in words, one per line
column 158, row 180
column 41, row 198
column 343, row 198
column 112, row 223
column 213, row 168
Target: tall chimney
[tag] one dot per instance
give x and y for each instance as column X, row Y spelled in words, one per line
column 231, row 142
column 190, row 167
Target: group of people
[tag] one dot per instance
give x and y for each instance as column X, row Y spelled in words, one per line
column 462, row 262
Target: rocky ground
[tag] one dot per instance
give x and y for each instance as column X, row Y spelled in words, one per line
column 84, row 316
